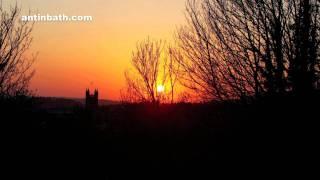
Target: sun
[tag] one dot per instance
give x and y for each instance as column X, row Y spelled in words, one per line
column 160, row 88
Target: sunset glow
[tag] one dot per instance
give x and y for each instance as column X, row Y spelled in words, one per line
column 160, row 88
column 73, row 56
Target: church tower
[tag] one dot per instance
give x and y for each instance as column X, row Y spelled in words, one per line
column 92, row 100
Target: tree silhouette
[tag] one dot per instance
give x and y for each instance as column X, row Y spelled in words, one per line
column 305, row 63
column 172, row 72
column 142, row 82
column 236, row 49
column 153, row 65
column 15, row 39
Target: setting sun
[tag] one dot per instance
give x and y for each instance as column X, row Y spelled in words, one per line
column 160, row 88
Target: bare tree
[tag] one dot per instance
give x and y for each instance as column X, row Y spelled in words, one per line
column 234, row 49
column 142, row 80
column 15, row 39
column 172, row 72
column 305, row 62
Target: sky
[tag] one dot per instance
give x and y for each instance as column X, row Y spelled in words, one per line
column 73, row 56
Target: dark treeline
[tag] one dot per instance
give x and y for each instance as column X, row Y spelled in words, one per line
column 165, row 141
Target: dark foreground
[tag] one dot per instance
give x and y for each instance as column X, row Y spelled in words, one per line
column 198, row 141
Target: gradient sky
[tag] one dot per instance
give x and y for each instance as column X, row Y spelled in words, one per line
column 76, row 55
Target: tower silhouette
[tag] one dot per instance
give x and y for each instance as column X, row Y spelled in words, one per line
column 92, row 100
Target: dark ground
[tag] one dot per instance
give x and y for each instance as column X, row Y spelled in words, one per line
column 197, row 141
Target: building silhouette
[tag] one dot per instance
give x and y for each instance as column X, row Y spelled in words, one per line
column 92, row 100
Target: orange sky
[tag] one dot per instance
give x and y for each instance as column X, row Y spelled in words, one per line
column 76, row 55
